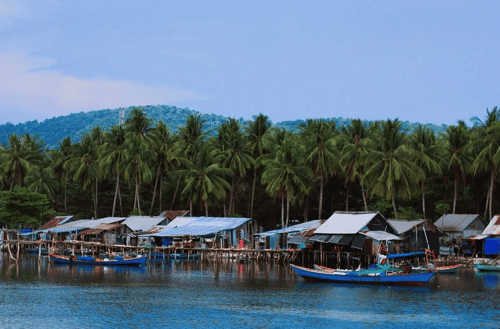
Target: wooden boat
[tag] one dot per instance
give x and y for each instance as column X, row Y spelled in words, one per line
column 394, row 278
column 89, row 260
column 487, row 267
column 377, row 268
column 448, row 269
column 185, row 256
column 44, row 251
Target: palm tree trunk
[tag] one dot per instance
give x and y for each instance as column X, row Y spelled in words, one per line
column 93, row 199
column 394, row 205
column 456, row 189
column 120, row 199
column 282, row 211
column 137, row 193
column 154, row 191
column 423, row 198
column 190, row 207
column 116, row 194
column 320, row 211
column 306, row 210
column 65, row 199
column 175, row 193
column 287, row 210
column 493, row 170
column 487, row 203
column 253, row 192
column 347, row 197
column 231, row 198
column 161, row 185
column 205, row 202
column 95, row 203
column 364, row 197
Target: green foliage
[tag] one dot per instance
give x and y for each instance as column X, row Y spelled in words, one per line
column 442, row 208
column 408, row 213
column 21, row 206
column 383, row 206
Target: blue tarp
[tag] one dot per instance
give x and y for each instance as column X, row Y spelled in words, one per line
column 491, row 246
column 407, row 255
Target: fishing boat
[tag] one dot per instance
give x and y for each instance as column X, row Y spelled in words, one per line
column 448, row 269
column 487, row 267
column 43, row 252
column 385, row 278
column 90, row 260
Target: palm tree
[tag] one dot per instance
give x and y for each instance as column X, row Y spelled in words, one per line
column 390, row 168
column 16, row 159
column 256, row 131
column 425, row 154
column 41, row 179
column 84, row 168
column 322, row 155
column 167, row 153
column 236, row 154
column 138, row 123
column 456, row 140
column 356, row 142
column 111, row 157
column 136, row 168
column 204, row 176
column 59, row 159
column 285, row 173
column 487, row 142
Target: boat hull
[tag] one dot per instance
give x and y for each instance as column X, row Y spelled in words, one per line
column 413, row 279
column 125, row 262
column 484, row 267
column 448, row 269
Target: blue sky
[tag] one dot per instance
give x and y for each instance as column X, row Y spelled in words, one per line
column 426, row 61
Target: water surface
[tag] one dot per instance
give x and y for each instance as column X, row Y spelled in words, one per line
column 226, row 295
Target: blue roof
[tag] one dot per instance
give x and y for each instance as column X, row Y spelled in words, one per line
column 200, row 226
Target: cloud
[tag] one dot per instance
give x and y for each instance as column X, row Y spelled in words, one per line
column 28, row 85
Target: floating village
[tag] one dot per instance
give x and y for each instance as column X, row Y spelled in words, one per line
column 357, row 247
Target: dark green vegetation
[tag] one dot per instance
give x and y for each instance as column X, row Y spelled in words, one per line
column 255, row 169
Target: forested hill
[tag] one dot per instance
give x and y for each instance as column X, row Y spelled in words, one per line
column 77, row 124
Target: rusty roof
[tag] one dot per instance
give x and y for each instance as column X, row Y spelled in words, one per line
column 493, row 227
column 172, row 214
column 55, row 221
column 100, row 228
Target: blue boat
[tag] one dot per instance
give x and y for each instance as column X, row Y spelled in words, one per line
column 89, row 260
column 396, row 278
column 487, row 267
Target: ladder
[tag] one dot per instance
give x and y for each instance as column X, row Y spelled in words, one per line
column 430, row 258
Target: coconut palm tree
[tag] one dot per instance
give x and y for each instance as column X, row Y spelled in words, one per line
column 167, row 156
column 256, row 131
column 112, row 154
column 137, row 154
column 236, row 154
column 16, row 159
column 486, row 140
column 42, row 180
column 426, row 155
column 59, row 159
column 390, row 169
column 285, row 173
column 84, row 167
column 321, row 153
column 204, row 176
column 356, row 141
column 455, row 141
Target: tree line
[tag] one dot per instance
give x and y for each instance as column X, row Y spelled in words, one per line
column 260, row 171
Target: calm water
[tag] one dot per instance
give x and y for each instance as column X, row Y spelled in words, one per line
column 191, row 294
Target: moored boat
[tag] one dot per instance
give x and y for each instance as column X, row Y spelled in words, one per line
column 390, row 278
column 487, row 267
column 448, row 269
column 89, row 260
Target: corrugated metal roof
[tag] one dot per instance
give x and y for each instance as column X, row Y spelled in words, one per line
column 294, row 228
column 493, row 227
column 346, row 223
column 403, row 226
column 100, row 228
column 58, row 220
column 454, row 222
column 381, row 236
column 298, row 239
column 83, row 224
column 173, row 214
column 143, row 223
column 200, row 226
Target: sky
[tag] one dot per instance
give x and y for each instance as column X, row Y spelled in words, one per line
column 419, row 61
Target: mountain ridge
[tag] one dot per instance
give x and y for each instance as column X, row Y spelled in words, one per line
column 77, row 124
